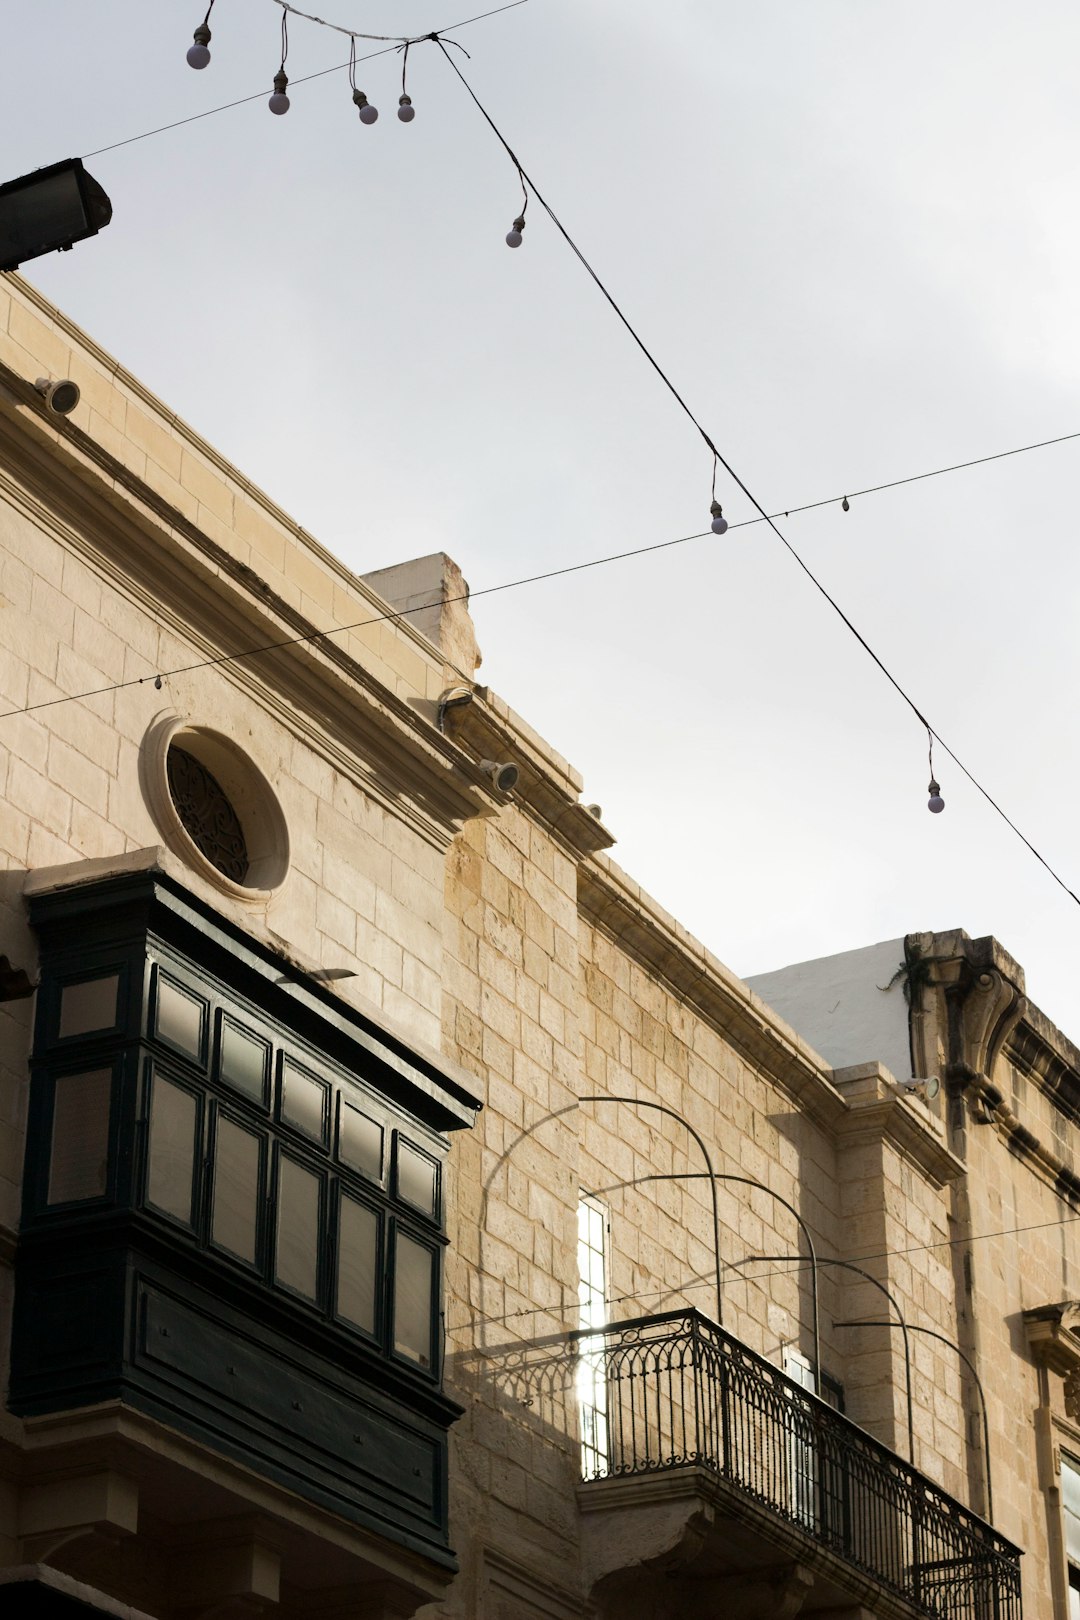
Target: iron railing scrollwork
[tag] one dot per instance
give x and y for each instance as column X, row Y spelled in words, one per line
column 680, row 1390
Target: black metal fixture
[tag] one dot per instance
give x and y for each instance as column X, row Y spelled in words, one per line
column 48, row 211
column 901, row 1323
column 661, row 1108
column 760, row 1186
column 683, row 1392
column 931, row 1333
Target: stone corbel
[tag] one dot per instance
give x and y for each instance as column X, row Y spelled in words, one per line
column 1053, row 1334
column 774, row 1595
column 71, row 1509
column 992, row 1007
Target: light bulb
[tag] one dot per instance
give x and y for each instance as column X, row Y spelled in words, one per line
column 513, row 236
column 936, row 803
column 368, row 113
column 279, row 101
column 406, row 111
column 845, row 505
column 198, row 56
column 719, row 521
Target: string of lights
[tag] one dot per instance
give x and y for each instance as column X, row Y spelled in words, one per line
column 936, row 803
column 279, row 103
column 307, row 78
column 315, row 636
column 515, row 584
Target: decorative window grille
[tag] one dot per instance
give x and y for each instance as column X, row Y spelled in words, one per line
column 206, row 814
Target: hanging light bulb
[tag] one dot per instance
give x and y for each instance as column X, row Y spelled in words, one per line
column 198, row 56
column 936, row 803
column 279, row 101
column 406, row 111
column 368, row 113
column 513, row 236
column 719, row 521
column 845, row 505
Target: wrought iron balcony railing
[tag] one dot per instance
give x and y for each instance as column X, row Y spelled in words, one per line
column 674, row 1389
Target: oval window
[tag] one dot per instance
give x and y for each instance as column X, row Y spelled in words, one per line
column 215, row 808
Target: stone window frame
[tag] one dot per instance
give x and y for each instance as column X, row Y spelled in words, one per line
column 244, row 785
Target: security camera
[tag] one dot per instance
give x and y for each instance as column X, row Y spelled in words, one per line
column 61, row 396
column 927, row 1088
column 503, row 774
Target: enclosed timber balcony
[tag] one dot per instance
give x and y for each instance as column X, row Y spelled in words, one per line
column 781, row 1493
column 228, row 1275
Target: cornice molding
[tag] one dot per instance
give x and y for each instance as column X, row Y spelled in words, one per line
column 547, row 787
column 59, row 428
column 610, row 901
column 1053, row 1336
column 880, row 1111
column 91, row 503
column 1046, row 1057
column 989, row 1107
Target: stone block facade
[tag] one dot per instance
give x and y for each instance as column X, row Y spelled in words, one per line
column 151, row 597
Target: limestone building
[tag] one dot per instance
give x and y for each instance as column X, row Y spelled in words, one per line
column 400, row 1213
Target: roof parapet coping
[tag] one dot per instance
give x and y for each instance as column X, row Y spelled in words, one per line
column 88, row 356
column 617, row 905
column 881, row 1108
column 479, row 721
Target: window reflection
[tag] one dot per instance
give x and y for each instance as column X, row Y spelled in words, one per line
column 415, row 1177
column 358, row 1239
column 412, row 1300
column 297, row 1228
column 172, row 1149
column 360, row 1141
column 235, row 1221
column 303, row 1102
column 180, row 1017
column 79, row 1161
column 243, row 1060
column 88, row 1006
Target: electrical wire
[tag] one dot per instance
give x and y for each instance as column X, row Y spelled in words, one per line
column 339, row 67
column 798, row 1262
column 528, row 180
column 527, row 579
column 315, row 636
column 529, row 185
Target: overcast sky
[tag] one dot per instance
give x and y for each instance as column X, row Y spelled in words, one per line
column 850, row 233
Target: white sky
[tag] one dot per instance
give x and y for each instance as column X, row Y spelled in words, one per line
column 850, row 233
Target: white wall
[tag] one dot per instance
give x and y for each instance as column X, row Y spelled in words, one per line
column 837, row 1005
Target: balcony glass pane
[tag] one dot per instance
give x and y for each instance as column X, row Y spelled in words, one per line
column 304, row 1102
column 297, row 1228
column 171, row 1172
column 358, row 1240
column 244, row 1061
column 360, row 1142
column 88, row 1006
column 235, row 1221
column 180, row 1017
column 415, row 1178
column 79, row 1161
column 413, row 1275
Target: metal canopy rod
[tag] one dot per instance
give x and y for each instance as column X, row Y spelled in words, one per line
column 931, row 1333
column 661, row 1108
column 748, row 1181
column 849, row 1265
